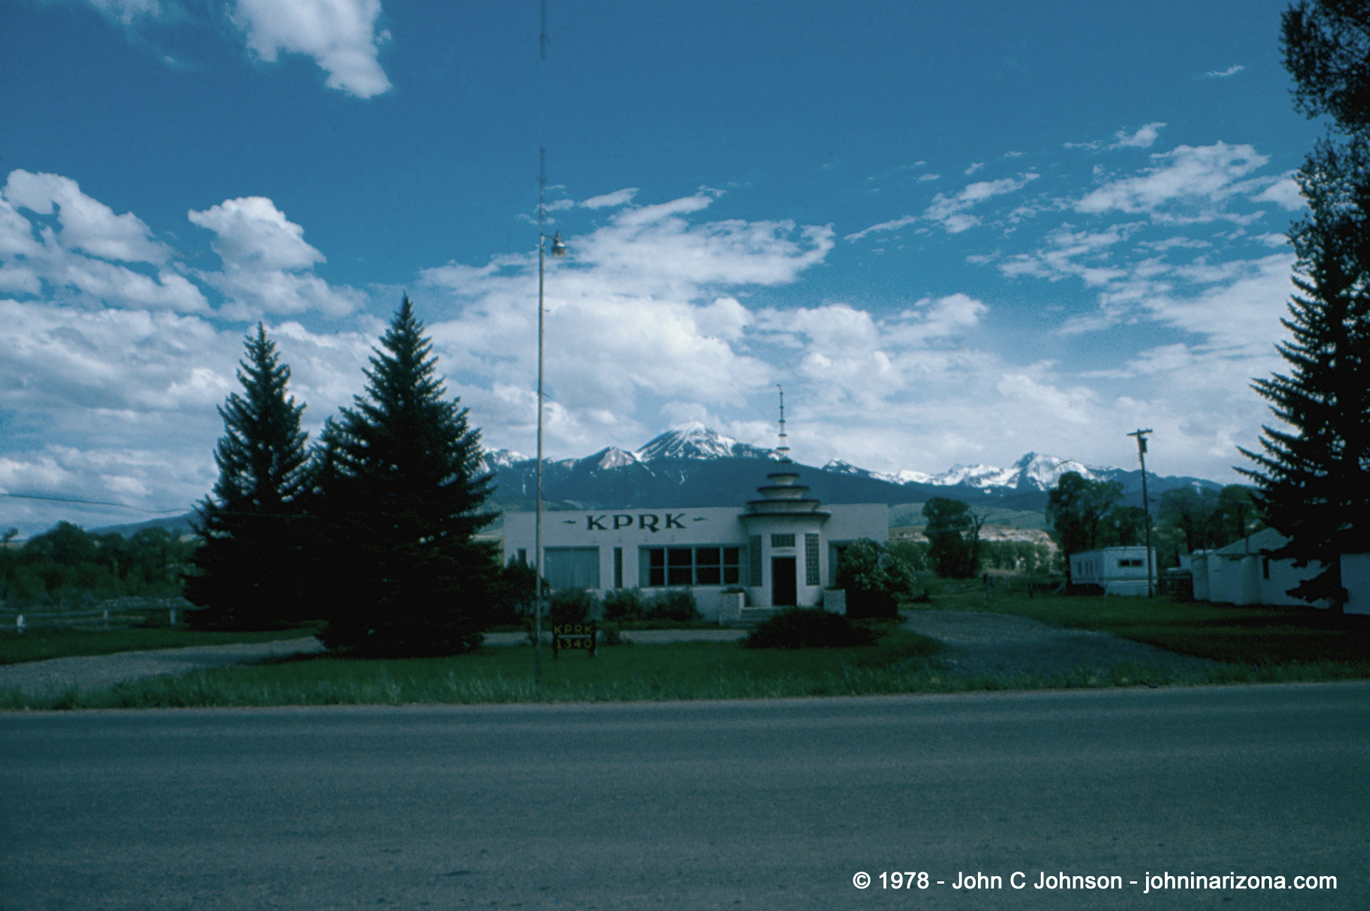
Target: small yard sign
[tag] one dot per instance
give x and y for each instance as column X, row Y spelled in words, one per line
column 575, row 636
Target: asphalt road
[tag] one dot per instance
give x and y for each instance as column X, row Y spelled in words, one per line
column 693, row 805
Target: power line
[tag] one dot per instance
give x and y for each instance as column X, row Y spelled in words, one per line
column 72, row 500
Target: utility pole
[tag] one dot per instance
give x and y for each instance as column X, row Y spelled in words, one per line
column 1146, row 505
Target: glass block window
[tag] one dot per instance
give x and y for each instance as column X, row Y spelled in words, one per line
column 782, row 540
column 811, row 576
column 755, row 552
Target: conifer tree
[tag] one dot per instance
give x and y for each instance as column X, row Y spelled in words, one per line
column 248, row 569
column 401, row 502
column 1311, row 475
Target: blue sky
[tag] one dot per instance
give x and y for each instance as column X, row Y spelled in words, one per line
column 955, row 233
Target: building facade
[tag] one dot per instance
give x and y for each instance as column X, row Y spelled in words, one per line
column 779, row 549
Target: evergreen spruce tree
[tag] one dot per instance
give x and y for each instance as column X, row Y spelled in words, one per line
column 248, row 568
column 400, row 504
column 1311, row 475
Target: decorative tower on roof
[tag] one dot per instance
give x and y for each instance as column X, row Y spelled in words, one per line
column 785, row 533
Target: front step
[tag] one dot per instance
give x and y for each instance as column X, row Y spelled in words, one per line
column 754, row 616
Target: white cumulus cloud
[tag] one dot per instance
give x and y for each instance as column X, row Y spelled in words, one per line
column 1144, row 138
column 1188, row 184
column 340, row 35
column 87, row 224
column 267, row 263
column 952, row 212
column 73, row 260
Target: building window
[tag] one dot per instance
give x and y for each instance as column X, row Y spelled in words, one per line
column 676, row 566
column 523, row 556
column 811, row 576
column 1134, row 561
column 571, row 567
column 755, row 553
column 782, row 540
column 618, row 567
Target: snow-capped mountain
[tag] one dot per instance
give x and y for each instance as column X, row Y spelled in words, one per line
column 1032, row 472
column 695, row 441
column 696, row 466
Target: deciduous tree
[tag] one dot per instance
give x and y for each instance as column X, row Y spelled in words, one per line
column 1076, row 508
column 953, row 534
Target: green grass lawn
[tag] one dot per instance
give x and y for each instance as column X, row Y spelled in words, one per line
column 1251, row 644
column 37, row 644
column 1254, row 634
column 897, row 663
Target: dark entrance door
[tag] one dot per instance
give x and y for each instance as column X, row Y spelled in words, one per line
column 784, row 590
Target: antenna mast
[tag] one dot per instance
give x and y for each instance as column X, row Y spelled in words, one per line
column 784, row 447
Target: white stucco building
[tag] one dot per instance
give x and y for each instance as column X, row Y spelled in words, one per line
column 1117, row 570
column 780, row 549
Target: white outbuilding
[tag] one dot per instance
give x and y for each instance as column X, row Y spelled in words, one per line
column 1241, row 573
column 777, row 550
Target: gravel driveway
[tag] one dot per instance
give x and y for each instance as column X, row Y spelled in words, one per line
column 976, row 643
column 982, row 643
column 93, row 672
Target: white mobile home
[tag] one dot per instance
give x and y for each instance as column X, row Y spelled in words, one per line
column 1117, row 570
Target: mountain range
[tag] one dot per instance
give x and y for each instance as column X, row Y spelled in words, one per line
column 696, row 466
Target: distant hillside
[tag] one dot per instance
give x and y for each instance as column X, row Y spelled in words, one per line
column 177, row 524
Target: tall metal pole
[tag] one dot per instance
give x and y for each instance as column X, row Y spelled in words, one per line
column 1146, row 505
column 542, row 223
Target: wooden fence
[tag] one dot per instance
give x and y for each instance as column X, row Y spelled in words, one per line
column 119, row 613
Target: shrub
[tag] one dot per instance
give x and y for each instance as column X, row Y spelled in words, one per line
column 512, row 595
column 872, row 605
column 808, row 627
column 872, row 578
column 572, row 605
column 623, row 604
column 674, row 604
